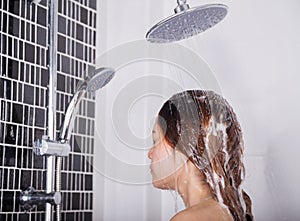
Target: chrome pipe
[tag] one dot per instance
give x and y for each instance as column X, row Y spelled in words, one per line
column 52, row 102
column 58, row 186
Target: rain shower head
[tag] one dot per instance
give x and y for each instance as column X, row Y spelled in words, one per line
column 96, row 80
column 186, row 22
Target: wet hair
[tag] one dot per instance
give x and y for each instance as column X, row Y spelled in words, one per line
column 203, row 126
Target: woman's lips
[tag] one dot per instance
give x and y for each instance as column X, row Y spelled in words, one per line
column 151, row 169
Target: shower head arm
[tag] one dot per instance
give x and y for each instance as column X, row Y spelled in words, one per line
column 182, row 6
column 68, row 124
column 181, row 2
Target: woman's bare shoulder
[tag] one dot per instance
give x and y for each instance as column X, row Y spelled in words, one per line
column 182, row 216
column 203, row 214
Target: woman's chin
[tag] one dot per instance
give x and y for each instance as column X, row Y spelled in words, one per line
column 160, row 184
column 156, row 184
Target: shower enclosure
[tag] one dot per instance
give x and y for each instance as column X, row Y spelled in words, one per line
column 254, row 55
column 40, row 67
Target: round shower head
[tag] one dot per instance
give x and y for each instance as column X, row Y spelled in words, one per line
column 99, row 78
column 186, row 23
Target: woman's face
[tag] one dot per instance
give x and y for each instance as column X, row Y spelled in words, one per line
column 165, row 160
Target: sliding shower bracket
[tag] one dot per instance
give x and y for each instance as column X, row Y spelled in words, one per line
column 45, row 146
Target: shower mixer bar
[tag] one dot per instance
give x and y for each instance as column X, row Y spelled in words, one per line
column 97, row 79
column 30, row 198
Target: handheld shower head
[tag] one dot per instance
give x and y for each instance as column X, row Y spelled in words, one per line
column 186, row 22
column 96, row 80
column 99, row 78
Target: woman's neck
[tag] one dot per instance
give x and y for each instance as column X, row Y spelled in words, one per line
column 191, row 185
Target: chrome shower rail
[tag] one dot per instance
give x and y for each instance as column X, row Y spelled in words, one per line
column 52, row 104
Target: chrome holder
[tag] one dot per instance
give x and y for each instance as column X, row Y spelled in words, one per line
column 45, row 146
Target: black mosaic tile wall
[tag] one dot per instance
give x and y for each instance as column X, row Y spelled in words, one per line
column 23, row 103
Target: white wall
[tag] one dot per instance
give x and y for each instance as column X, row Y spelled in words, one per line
column 254, row 55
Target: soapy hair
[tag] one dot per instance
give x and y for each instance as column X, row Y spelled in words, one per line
column 203, row 126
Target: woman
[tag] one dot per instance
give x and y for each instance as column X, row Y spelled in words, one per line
column 197, row 151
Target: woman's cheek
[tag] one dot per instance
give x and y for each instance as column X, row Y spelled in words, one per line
column 168, row 165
